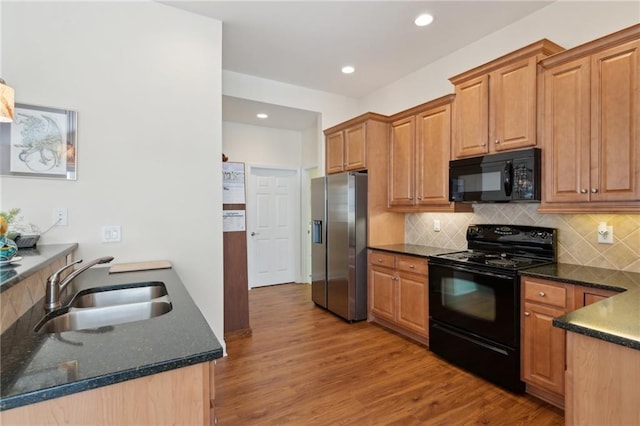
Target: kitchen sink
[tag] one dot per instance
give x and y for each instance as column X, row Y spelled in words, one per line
column 105, row 306
column 118, row 295
column 74, row 319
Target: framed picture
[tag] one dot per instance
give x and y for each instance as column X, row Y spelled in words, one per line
column 41, row 142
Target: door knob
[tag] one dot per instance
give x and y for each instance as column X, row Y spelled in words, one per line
column 526, row 314
column 254, row 233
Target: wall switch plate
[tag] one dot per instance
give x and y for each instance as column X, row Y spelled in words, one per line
column 111, row 234
column 61, row 216
column 436, row 225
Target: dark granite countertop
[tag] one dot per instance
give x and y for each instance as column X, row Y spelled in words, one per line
column 616, row 319
column 412, row 249
column 36, row 367
column 32, row 261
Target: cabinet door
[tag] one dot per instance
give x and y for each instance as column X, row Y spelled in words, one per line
column 615, row 108
column 335, row 152
column 401, row 162
column 382, row 288
column 567, row 131
column 543, row 348
column 413, row 305
column 433, row 149
column 355, row 148
column 471, row 117
column 512, row 109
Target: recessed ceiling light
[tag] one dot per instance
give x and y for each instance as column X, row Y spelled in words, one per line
column 423, row 20
column 348, row 69
column 262, row 115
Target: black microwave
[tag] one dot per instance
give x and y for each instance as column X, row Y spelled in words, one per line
column 496, row 178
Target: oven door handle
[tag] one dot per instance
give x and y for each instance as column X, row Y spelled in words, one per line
column 477, row 271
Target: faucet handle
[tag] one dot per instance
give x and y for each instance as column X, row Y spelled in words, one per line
column 55, row 277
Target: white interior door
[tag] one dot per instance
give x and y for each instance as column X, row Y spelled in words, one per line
column 273, row 225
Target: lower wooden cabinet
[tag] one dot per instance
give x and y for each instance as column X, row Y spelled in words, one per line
column 181, row 396
column 398, row 293
column 543, row 346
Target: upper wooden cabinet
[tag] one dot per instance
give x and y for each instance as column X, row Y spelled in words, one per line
column 591, row 126
column 419, row 152
column 346, row 144
column 495, row 108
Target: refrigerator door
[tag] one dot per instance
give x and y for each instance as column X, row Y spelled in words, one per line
column 319, row 242
column 346, row 245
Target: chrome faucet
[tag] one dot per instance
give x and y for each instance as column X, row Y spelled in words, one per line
column 55, row 286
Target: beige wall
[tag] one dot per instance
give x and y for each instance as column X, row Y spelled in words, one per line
column 145, row 80
column 577, row 233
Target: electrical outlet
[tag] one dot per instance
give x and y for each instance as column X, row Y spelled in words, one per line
column 61, row 216
column 436, row 225
column 605, row 234
column 111, row 234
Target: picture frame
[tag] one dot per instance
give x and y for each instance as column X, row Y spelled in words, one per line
column 40, row 143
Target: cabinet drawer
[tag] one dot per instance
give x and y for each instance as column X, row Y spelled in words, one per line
column 382, row 259
column 547, row 293
column 412, row 264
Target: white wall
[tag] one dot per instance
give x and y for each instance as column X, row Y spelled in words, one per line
column 567, row 23
column 261, row 145
column 145, row 80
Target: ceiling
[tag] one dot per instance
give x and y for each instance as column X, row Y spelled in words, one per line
column 306, row 43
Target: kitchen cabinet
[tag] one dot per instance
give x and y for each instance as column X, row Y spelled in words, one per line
column 591, row 126
column 496, row 104
column 398, row 293
column 180, row 396
column 419, row 153
column 602, row 382
column 346, row 144
column 585, row 296
column 542, row 344
column 370, row 134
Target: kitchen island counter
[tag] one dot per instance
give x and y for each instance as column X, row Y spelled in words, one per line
column 37, row 367
column 615, row 319
column 32, row 260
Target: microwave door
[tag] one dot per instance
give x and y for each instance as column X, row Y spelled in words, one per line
column 481, row 182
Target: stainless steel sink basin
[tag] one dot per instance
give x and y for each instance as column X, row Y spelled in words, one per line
column 73, row 318
column 118, row 295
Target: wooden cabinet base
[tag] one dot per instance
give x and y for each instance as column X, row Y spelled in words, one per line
column 545, row 395
column 602, row 382
column 180, row 396
column 400, row 330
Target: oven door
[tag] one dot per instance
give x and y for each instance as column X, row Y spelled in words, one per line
column 483, row 303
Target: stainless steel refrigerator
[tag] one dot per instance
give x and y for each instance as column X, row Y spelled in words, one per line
column 345, row 250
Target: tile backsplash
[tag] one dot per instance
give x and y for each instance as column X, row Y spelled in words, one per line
column 577, row 233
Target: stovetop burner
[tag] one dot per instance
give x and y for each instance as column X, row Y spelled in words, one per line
column 506, row 247
column 502, row 260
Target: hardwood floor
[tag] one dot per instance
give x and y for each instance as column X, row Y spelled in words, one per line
column 305, row 366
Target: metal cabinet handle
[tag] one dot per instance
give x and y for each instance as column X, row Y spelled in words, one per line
column 541, row 294
column 526, row 314
column 380, row 260
column 583, row 191
column 594, row 190
column 483, row 144
column 497, row 141
column 412, row 267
